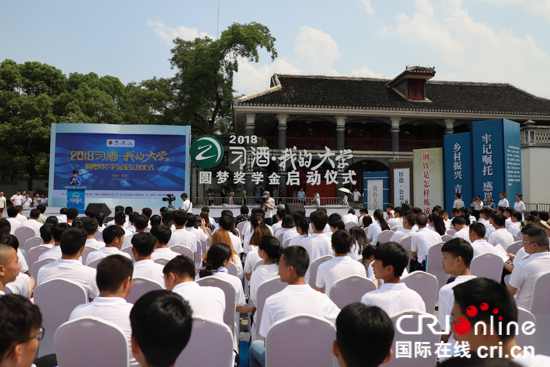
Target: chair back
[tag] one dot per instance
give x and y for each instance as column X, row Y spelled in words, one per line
column 24, row 233
column 301, row 340
column 198, row 254
column 140, row 287
column 265, row 290
column 230, row 297
column 313, row 268
column 350, row 225
column 95, row 263
column 539, row 308
column 258, row 263
column 394, row 229
column 34, row 253
column 426, row 285
column 86, row 252
column 280, row 237
column 350, row 289
column 232, row 270
column 78, row 341
column 410, row 321
column 523, row 340
column 162, row 261
column 487, row 265
column 406, row 244
column 433, row 265
column 446, row 238
column 32, row 242
column 98, row 236
column 240, row 227
column 199, row 352
column 384, row 236
column 517, row 238
column 514, row 247
column 38, row 264
column 56, row 298
column 128, row 250
column 182, row 250
column 451, row 232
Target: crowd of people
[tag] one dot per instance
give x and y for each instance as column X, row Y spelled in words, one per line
column 249, row 250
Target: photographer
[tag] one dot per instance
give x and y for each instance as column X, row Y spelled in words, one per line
column 477, row 204
column 267, row 204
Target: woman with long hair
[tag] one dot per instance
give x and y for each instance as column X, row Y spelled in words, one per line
column 221, row 236
column 216, row 264
column 269, row 250
column 359, row 242
column 255, row 221
column 377, row 227
column 436, row 224
column 229, row 214
column 206, row 217
column 253, row 256
column 302, row 227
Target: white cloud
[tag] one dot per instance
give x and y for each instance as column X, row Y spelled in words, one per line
column 479, row 52
column 252, row 79
column 537, row 7
column 365, row 72
column 317, row 50
column 366, row 5
column 168, row 34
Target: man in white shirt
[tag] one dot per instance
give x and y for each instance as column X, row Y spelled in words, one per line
column 17, row 199
column 390, row 260
column 162, row 235
column 477, row 239
column 317, row 244
column 508, row 214
column 201, row 233
column 180, row 236
column 179, row 277
column 114, row 281
column 55, row 251
column 12, row 214
column 113, row 237
column 2, row 203
column 458, row 203
column 292, row 232
column 503, row 202
column 422, row 240
column 408, row 223
column 495, row 337
column 143, row 245
column 268, row 207
column 62, row 217
column 485, row 218
column 350, row 217
column 280, row 215
column 460, row 225
column 72, row 214
column 515, row 227
column 90, row 227
column 140, row 224
column 20, row 217
column 445, row 215
column 9, row 266
column 32, row 223
column 297, row 298
column 120, row 220
column 356, row 196
column 522, row 281
column 500, row 235
column 187, row 205
column 397, row 219
column 340, row 266
column 69, row 267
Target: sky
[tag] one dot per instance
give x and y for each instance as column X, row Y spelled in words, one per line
column 503, row 41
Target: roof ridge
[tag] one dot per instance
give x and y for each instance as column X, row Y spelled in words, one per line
column 343, row 77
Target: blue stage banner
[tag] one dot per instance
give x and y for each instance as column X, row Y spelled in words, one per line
column 376, row 190
column 496, row 158
column 120, row 162
column 457, row 153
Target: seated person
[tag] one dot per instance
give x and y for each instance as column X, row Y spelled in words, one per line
column 113, row 237
column 12, row 214
column 33, row 221
column 500, row 235
column 421, row 241
column 9, row 266
column 143, row 245
column 90, row 226
column 55, row 251
column 180, row 236
column 477, row 239
column 460, row 225
column 23, row 283
column 162, row 235
column 270, row 251
column 408, row 224
column 317, row 244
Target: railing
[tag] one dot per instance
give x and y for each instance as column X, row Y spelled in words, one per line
column 407, row 145
column 535, row 135
column 311, row 143
column 540, row 207
column 368, row 144
column 268, row 141
column 255, row 201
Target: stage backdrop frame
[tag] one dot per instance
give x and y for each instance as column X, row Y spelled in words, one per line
column 121, row 131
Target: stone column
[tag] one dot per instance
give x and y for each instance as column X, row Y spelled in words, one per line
column 449, row 126
column 395, row 133
column 282, row 131
column 340, row 132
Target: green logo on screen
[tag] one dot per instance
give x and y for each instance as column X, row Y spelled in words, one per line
column 206, row 151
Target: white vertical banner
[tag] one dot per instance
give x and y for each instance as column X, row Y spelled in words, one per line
column 401, row 185
column 376, row 194
column 428, row 178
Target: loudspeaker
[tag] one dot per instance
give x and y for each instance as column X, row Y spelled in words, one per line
column 100, row 207
column 295, row 208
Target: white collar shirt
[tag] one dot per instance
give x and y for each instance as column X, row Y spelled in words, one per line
column 520, row 255
column 374, row 230
column 2, row 202
column 21, row 218
column 421, row 242
column 53, row 253
column 93, row 243
column 503, row 203
column 183, row 238
column 508, row 223
column 111, row 309
column 464, row 233
column 514, row 228
column 127, row 240
column 62, row 218
column 235, row 282
column 206, row 302
column 247, row 247
column 260, row 275
column 21, row 260
column 519, row 206
column 501, row 236
column 524, row 275
column 104, row 252
column 21, row 285
column 317, row 245
column 163, row 253
column 276, row 226
column 350, row 218
column 394, row 298
column 295, row 300
column 251, row 259
column 356, row 195
column 481, row 247
column 335, row 269
column 458, row 203
column 448, row 224
column 71, row 270
column 355, row 251
column 296, row 241
column 148, row 269
column 399, row 235
column 201, row 236
column 489, row 229
column 15, row 223
column 291, row 233
column 395, row 222
column 447, row 298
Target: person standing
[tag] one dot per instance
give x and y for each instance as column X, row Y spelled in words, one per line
column 210, row 197
column 503, row 202
column 17, row 199
column 477, row 205
column 316, row 199
column 223, row 195
column 489, row 203
column 281, row 196
column 458, row 203
column 2, row 203
column 268, row 207
column 519, row 205
column 76, row 180
column 356, row 196
column 187, row 205
column 302, row 196
column 232, row 197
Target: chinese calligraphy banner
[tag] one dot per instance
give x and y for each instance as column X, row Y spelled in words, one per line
column 120, row 161
column 496, row 149
column 376, row 190
column 457, row 152
column 428, row 178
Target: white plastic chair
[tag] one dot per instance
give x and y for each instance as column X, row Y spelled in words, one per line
column 258, row 263
column 200, row 352
column 541, row 311
column 98, row 236
column 40, row 263
column 287, row 242
column 406, row 244
column 240, row 227
column 32, row 242
column 95, row 263
column 162, row 261
column 394, row 229
column 86, row 252
column 433, row 265
column 523, row 340
column 34, row 253
column 232, row 270
column 230, row 297
column 426, row 285
column 56, row 298
column 198, row 255
column 350, row 289
column 451, row 232
column 518, row 238
column 487, row 265
column 313, row 268
column 77, row 343
column 182, row 250
column 350, row 225
column 128, row 250
column 301, row 340
column 265, row 290
column 514, row 247
column 23, row 234
column 384, row 236
column 446, row 238
column 280, row 237
column 140, row 287
column 409, row 322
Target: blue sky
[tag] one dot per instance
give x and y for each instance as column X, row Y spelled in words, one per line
column 469, row 40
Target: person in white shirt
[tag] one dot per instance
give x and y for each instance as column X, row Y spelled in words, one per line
column 227, row 225
column 292, row 231
column 62, row 217
column 508, row 214
column 72, row 214
column 143, row 245
column 287, row 224
column 302, row 227
column 27, row 201
column 467, row 213
column 187, row 205
column 180, row 236
column 340, row 266
column 179, row 277
column 397, row 219
column 358, row 243
column 162, row 235
column 317, row 244
column 485, row 218
column 515, row 227
column 445, row 216
column 422, row 240
column 55, row 251
column 362, row 214
column 519, row 205
column 356, row 196
column 477, row 239
column 497, row 332
column 120, row 220
column 113, row 237
column 9, row 266
column 458, row 203
column 279, row 216
column 140, row 224
column 270, row 251
column 390, row 260
column 114, row 281
column 460, row 225
column 20, row 217
column 253, row 256
column 408, row 224
column 500, row 235
column 2, row 203
column 12, row 214
column 90, row 226
column 17, row 199
column 297, row 298
column 32, row 223
column 268, row 207
column 350, row 217
column 69, row 267
column 522, row 281
column 192, row 224
column 377, row 227
column 503, row 202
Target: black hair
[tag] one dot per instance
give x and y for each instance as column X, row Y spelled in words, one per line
column 162, row 233
column 319, row 219
column 77, row 223
column 367, row 221
column 179, row 217
column 72, row 213
column 351, row 211
column 120, row 218
column 13, row 211
column 75, row 172
column 368, row 251
column 271, row 246
column 141, row 221
column 416, row 210
column 410, row 219
column 379, row 214
column 147, row 212
column 544, row 216
column 184, row 195
column 41, row 208
column 112, row 271
column 205, row 209
column 479, row 229
column 58, row 230
column 128, row 210
column 460, row 220
column 392, row 253
column 298, row 258
column 34, row 214
column 359, row 239
column 217, row 254
column 337, row 223
column 459, row 247
column 72, row 240
column 5, row 226
column 18, row 319
column 181, row 266
column 256, row 221
column 458, row 195
column 399, row 211
column 334, row 216
column 10, row 240
column 363, row 210
column 517, row 215
column 52, row 220
column 46, row 232
column 288, row 222
column 161, row 325
column 100, row 217
column 465, row 210
column 191, row 219
column 499, row 219
column 144, row 243
column 341, row 241
column 90, row 226
column 439, row 224
column 155, row 220
column 297, row 216
column 244, row 210
column 495, row 296
column 539, row 236
column 421, row 219
column 112, row 232
column 167, row 218
column 119, row 208
column 358, row 325
column 303, row 225
column 281, row 213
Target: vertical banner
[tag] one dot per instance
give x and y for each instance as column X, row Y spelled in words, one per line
column 496, row 158
column 401, row 183
column 428, row 178
column 457, row 153
column 376, row 190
